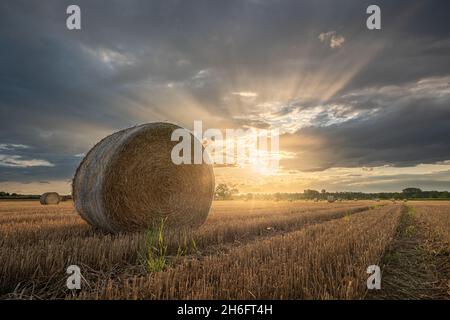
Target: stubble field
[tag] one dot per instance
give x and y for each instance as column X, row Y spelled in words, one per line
column 245, row 250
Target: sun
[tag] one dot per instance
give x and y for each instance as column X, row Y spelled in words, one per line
column 264, row 162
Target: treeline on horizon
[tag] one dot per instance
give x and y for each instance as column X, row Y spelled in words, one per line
column 7, row 195
column 408, row 193
column 223, row 192
column 18, row 196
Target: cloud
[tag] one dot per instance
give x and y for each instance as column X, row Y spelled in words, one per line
column 17, row 161
column 245, row 94
column 201, row 74
column 111, row 58
column 409, row 127
column 12, row 146
column 176, row 61
column 295, row 115
column 395, row 182
column 332, row 39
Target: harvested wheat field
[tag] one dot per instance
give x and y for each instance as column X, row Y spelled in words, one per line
column 245, row 250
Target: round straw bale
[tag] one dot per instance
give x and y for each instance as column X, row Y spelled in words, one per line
column 50, row 198
column 128, row 182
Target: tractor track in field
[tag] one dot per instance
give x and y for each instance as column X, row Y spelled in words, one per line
column 39, row 286
column 274, row 231
column 413, row 267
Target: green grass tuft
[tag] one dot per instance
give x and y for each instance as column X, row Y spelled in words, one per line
column 156, row 248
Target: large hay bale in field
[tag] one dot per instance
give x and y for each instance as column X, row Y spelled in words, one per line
column 50, row 198
column 128, row 182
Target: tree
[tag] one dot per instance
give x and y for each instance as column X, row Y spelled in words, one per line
column 412, row 190
column 412, row 193
column 223, row 192
column 311, row 194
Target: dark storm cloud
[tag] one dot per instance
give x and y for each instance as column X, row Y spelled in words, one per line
column 137, row 61
column 409, row 125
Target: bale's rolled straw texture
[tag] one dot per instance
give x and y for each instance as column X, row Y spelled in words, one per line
column 128, row 182
column 49, row 198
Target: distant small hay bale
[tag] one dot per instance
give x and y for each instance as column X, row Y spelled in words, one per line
column 128, row 182
column 50, row 198
column 331, row 199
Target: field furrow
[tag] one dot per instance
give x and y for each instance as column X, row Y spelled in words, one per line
column 33, row 252
column 245, row 250
column 325, row 261
column 417, row 265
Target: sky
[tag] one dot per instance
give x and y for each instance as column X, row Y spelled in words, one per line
column 358, row 109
